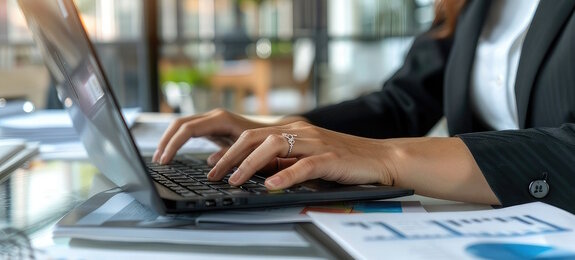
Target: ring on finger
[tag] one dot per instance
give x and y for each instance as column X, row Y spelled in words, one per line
column 291, row 141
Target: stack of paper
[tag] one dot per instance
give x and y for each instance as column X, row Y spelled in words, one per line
column 53, row 129
column 116, row 216
column 47, row 126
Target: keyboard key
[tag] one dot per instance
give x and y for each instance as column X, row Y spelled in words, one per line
column 188, row 178
column 190, row 195
column 221, row 186
column 210, row 193
column 199, row 187
column 236, row 191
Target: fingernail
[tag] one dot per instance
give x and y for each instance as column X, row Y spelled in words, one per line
column 274, row 181
column 210, row 174
column 163, row 159
column 235, row 176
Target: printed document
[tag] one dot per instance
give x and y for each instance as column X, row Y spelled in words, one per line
column 117, row 216
column 529, row 231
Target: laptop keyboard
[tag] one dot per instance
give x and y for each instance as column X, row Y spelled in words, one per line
column 188, row 179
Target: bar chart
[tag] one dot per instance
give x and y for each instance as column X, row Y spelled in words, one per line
column 486, row 227
column 529, row 231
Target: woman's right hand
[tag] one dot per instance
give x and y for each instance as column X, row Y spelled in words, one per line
column 219, row 125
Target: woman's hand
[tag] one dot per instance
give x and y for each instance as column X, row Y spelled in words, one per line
column 315, row 153
column 218, row 125
column 221, row 126
column 435, row 167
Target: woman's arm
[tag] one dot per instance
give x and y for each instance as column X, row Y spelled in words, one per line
column 438, row 167
column 441, row 168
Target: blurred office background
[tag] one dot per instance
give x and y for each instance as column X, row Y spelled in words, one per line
column 250, row 56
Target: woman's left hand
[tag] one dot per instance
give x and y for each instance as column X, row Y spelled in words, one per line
column 310, row 152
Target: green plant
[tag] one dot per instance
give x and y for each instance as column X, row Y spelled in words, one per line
column 193, row 76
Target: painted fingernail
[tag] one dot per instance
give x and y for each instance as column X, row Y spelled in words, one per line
column 274, row 181
column 211, row 174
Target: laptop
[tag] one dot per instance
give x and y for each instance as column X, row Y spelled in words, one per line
column 181, row 187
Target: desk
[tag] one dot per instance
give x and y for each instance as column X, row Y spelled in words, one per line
column 34, row 198
column 37, row 195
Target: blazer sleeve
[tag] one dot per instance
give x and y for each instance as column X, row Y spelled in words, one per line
column 510, row 160
column 408, row 104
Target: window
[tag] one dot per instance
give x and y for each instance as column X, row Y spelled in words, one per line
column 116, row 29
column 175, row 55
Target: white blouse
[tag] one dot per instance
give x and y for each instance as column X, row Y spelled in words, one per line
column 496, row 61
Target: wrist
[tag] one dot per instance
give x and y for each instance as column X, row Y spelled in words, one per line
column 391, row 160
column 410, row 162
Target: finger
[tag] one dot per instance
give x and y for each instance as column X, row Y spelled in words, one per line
column 178, row 123
column 285, row 162
column 200, row 126
column 246, row 143
column 276, row 165
column 167, row 135
column 308, row 168
column 221, row 141
column 271, row 167
column 215, row 157
column 171, row 131
column 260, row 157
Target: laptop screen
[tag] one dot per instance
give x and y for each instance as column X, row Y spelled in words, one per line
column 85, row 93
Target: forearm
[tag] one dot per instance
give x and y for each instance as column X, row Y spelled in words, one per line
column 441, row 168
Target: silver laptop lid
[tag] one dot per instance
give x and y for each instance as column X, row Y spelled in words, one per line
column 87, row 96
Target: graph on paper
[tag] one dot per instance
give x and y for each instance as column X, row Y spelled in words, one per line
column 533, row 229
column 486, row 227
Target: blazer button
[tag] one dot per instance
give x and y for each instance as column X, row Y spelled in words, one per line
column 539, row 188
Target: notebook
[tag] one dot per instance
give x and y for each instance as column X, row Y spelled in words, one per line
column 86, row 94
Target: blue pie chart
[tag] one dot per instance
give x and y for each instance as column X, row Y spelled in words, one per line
column 511, row 251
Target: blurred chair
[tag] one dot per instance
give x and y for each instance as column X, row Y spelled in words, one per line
column 258, row 76
column 243, row 76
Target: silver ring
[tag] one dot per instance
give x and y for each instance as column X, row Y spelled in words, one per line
column 291, row 141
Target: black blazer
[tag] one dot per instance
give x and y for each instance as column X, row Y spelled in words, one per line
column 434, row 82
